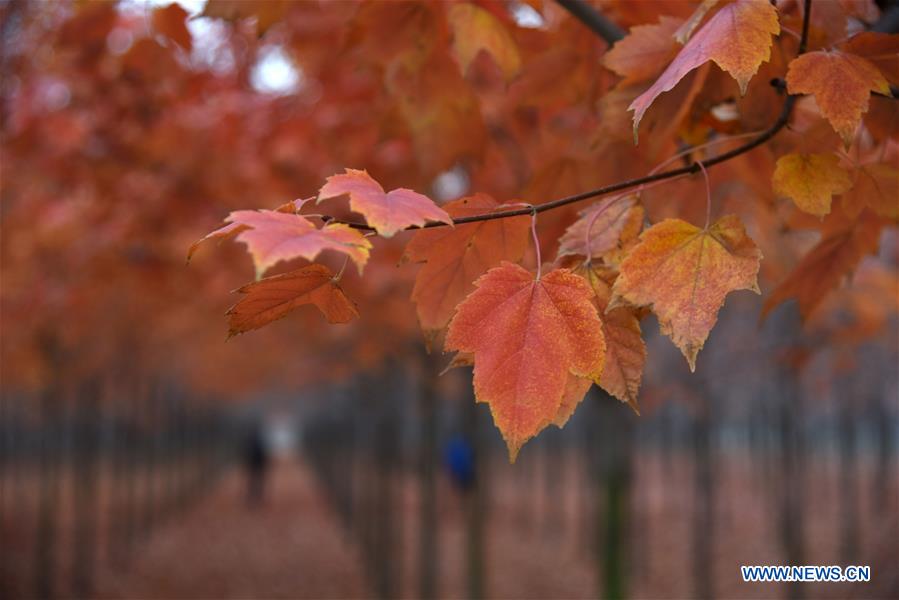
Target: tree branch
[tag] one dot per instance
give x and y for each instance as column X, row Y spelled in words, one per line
column 692, row 168
column 593, row 19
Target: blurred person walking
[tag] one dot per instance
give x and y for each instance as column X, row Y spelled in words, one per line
column 257, row 461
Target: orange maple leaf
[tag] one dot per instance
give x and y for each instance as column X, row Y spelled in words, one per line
column 841, row 83
column 455, row 257
column 683, row 273
column 386, row 212
column 527, row 336
column 842, row 247
column 737, row 38
column 274, row 297
column 272, row 236
column 810, row 180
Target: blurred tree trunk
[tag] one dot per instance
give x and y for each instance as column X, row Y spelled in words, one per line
column 885, row 425
column 588, row 469
column 128, row 442
column 6, row 446
column 786, row 329
column 171, row 451
column 150, row 410
column 640, row 531
column 553, row 483
column 51, row 408
column 428, row 457
column 367, row 476
column 85, row 487
column 792, row 497
column 849, row 521
column 615, row 428
column 48, row 499
column 385, row 438
column 477, row 500
column 883, row 408
column 348, row 454
column 704, row 499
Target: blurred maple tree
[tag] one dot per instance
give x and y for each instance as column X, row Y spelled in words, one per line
column 755, row 120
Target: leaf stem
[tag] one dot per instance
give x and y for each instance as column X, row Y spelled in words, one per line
column 339, row 275
column 708, row 195
column 595, row 216
column 790, row 31
column 536, row 241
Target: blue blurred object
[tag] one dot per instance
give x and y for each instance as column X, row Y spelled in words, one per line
column 458, row 458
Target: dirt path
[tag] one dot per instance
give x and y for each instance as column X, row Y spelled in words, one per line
column 292, row 547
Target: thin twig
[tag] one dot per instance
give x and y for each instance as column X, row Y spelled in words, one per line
column 536, row 241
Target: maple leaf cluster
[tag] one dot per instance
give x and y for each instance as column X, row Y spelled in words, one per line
column 539, row 338
column 711, row 135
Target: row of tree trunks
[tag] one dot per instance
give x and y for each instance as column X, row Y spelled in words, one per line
column 699, row 448
column 101, row 472
column 359, row 455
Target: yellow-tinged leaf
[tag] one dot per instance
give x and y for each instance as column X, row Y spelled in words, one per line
column 528, row 337
column 737, row 38
column 455, row 256
column 683, row 273
column 841, row 83
column 387, row 212
column 475, row 29
column 274, row 297
column 810, row 180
